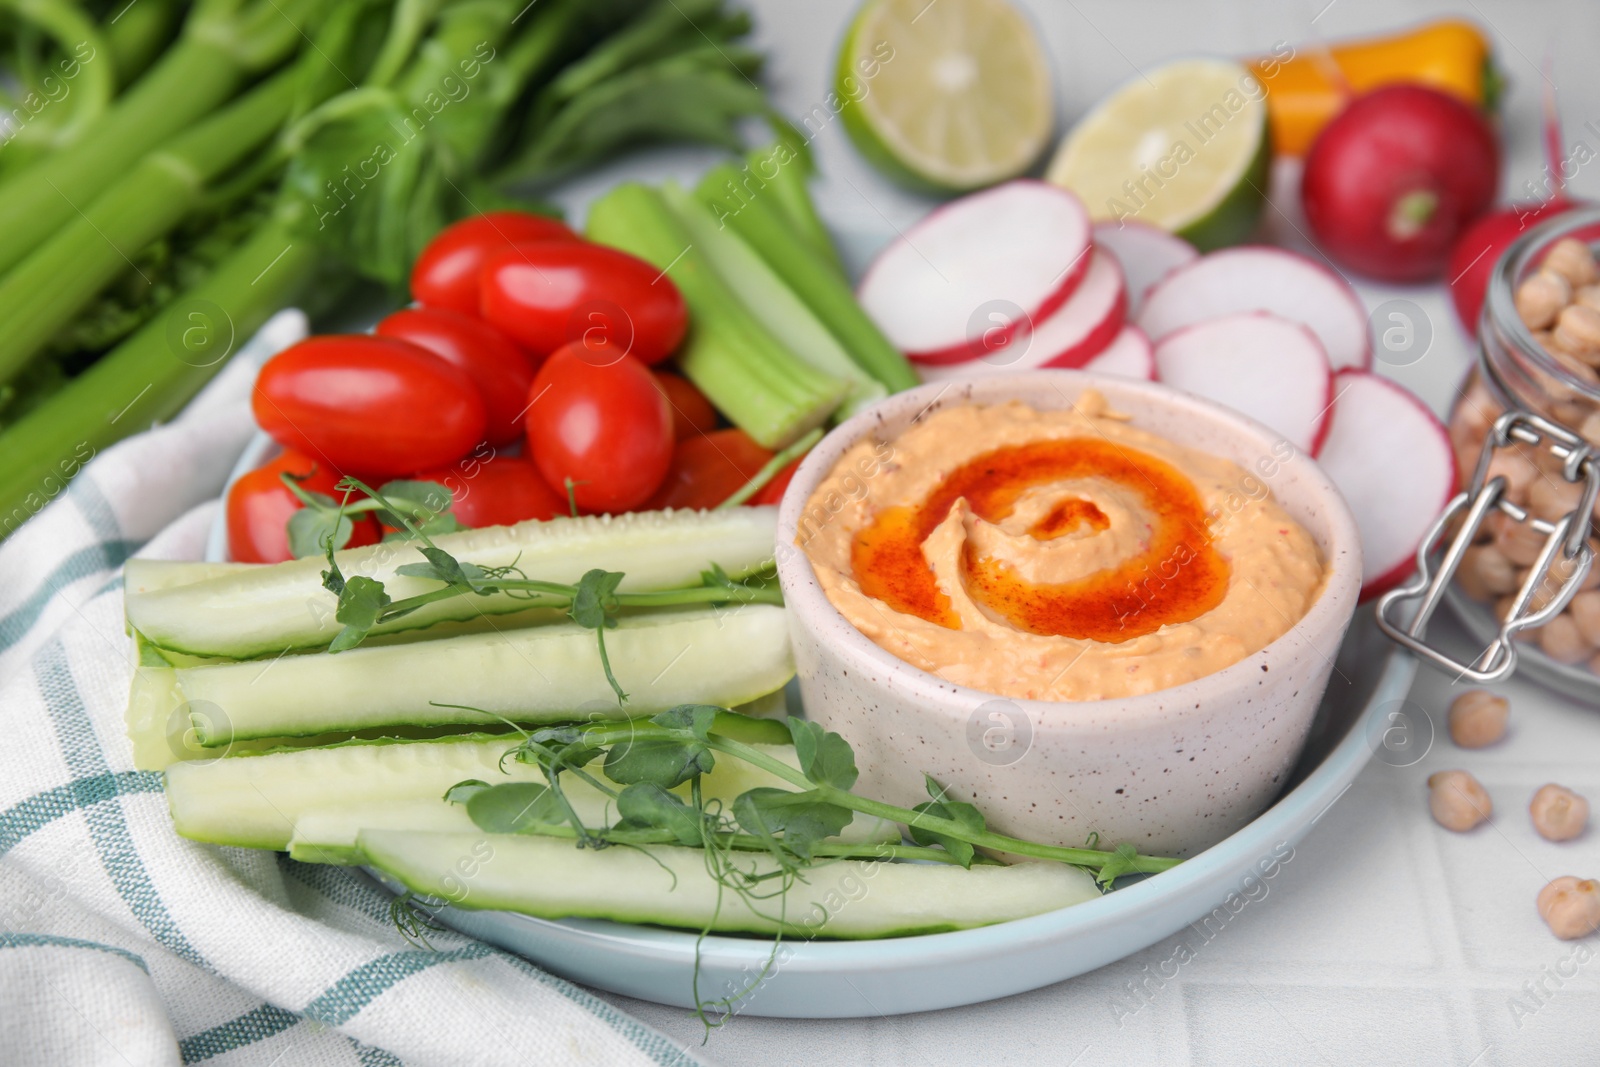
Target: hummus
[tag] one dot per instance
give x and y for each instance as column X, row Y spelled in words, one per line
column 1057, row 555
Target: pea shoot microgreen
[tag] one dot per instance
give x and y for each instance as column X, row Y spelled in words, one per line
column 417, row 511
column 652, row 771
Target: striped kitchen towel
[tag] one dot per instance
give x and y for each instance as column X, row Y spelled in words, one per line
column 122, row 943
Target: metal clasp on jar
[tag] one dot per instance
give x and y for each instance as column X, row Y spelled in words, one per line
column 1565, row 541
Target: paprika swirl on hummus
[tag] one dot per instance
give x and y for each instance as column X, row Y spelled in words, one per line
column 1056, row 555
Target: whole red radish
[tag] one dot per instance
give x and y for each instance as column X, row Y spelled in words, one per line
column 603, row 424
column 446, row 274
column 1478, row 250
column 371, row 406
column 1396, row 177
column 501, row 371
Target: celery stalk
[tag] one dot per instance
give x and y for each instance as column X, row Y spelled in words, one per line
column 220, row 50
column 788, row 189
column 148, row 377
column 765, row 227
column 65, row 273
column 749, row 277
column 747, row 373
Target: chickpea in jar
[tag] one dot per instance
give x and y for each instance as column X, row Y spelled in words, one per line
column 1559, row 303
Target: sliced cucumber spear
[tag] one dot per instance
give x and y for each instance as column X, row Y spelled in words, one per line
column 314, row 801
column 669, row 886
column 266, row 610
column 540, row 674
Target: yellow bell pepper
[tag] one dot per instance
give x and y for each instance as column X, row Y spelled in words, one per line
column 1307, row 87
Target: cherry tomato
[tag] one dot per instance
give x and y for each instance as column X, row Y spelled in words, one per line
column 772, row 492
column 446, row 274
column 547, row 295
column 604, row 425
column 259, row 506
column 497, row 491
column 501, row 371
column 709, row 468
column 372, row 406
column 692, row 413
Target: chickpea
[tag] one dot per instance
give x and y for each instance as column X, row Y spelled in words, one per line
column 1585, row 612
column 1578, row 331
column 1570, row 907
column 1571, row 258
column 1485, row 573
column 1558, row 813
column 1517, row 541
column 1541, row 297
column 1478, row 718
column 1588, row 296
column 1457, row 801
column 1561, row 640
column 1574, row 363
column 1561, row 569
column 1553, row 496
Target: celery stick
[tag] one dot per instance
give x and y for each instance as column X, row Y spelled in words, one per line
column 812, row 278
column 66, row 272
column 222, row 47
column 783, row 177
column 148, row 377
column 746, row 372
column 750, row 279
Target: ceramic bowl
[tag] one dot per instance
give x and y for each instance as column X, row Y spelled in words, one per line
column 1173, row 771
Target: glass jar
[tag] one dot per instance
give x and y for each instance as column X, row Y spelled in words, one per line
column 1535, row 356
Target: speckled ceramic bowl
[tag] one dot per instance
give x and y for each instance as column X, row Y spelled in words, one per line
column 1172, row 771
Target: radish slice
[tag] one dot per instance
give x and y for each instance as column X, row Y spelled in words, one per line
column 1078, row 331
column 1130, row 355
column 1271, row 369
column 978, row 269
column 1263, row 279
column 1391, row 458
column 1147, row 253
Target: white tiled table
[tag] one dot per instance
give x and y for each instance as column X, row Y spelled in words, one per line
column 1385, row 940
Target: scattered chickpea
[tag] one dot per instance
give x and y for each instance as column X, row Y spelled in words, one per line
column 1541, row 297
column 1478, row 718
column 1570, row 907
column 1457, row 801
column 1561, row 640
column 1558, row 813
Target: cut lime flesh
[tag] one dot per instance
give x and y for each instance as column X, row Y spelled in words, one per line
column 945, row 96
column 1185, row 147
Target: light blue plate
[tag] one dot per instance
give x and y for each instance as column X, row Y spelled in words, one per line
column 844, row 979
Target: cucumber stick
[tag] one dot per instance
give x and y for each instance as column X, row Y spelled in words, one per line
column 314, row 801
column 538, row 674
column 269, row 609
column 669, row 886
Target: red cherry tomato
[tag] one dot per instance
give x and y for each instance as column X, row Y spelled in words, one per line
column 547, row 295
column 372, row 406
column 446, row 274
column 497, row 491
column 692, row 413
column 772, row 492
column 501, row 371
column 604, row 425
column 259, row 506
column 709, row 468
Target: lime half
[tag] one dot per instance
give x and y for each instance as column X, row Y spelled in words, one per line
column 945, row 95
column 1185, row 148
